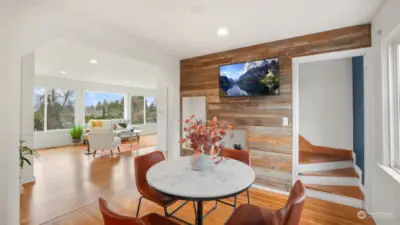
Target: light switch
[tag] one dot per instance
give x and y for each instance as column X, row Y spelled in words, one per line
column 285, row 121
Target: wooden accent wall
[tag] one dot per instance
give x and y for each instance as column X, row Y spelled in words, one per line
column 269, row 142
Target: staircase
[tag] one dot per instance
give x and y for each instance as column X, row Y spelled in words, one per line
column 331, row 176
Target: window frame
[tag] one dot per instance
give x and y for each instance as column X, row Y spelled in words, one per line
column 46, row 89
column 106, row 92
column 391, row 88
column 144, row 109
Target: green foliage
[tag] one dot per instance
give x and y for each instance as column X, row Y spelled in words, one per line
column 25, row 151
column 105, row 110
column 222, row 93
column 76, row 132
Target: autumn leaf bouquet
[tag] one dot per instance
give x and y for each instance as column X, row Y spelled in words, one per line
column 205, row 137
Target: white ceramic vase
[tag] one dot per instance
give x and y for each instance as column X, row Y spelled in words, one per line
column 199, row 162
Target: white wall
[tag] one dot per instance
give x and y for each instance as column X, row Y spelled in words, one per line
column 326, row 103
column 25, row 27
column 53, row 138
column 27, row 116
column 385, row 205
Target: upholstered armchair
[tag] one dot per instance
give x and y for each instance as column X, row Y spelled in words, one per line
column 103, row 139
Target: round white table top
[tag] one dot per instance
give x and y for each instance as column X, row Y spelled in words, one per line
column 176, row 178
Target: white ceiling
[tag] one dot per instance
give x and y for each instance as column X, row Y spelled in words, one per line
column 172, row 25
column 74, row 59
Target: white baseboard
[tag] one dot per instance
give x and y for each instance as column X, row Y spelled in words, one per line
column 325, row 166
column 383, row 218
column 339, row 199
column 269, row 189
column 342, row 181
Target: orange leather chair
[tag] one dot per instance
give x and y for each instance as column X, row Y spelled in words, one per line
column 239, row 155
column 290, row 214
column 112, row 218
column 142, row 164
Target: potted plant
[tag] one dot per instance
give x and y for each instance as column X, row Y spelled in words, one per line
column 76, row 133
column 24, row 152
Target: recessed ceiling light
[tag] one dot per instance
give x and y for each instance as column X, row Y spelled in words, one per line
column 93, row 61
column 223, row 31
column 63, row 72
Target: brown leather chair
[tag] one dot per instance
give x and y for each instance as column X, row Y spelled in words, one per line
column 239, row 155
column 112, row 218
column 142, row 164
column 290, row 214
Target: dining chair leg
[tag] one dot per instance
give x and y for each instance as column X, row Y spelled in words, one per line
column 94, row 153
column 248, row 196
column 138, row 208
column 119, row 150
column 111, row 153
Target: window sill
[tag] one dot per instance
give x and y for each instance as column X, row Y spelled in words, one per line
column 391, row 172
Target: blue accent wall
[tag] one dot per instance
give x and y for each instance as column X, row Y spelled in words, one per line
column 358, row 111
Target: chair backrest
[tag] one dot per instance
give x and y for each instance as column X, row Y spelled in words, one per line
column 240, row 155
column 142, row 165
column 291, row 212
column 112, row 218
column 101, row 139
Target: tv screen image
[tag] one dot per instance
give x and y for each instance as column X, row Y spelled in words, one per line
column 256, row 78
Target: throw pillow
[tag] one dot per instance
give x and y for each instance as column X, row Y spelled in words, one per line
column 120, row 126
column 96, row 123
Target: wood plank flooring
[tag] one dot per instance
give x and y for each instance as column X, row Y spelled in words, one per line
column 69, row 183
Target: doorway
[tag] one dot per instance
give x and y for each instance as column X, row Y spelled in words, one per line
column 328, row 126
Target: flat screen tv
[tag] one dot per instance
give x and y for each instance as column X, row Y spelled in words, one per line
column 256, row 78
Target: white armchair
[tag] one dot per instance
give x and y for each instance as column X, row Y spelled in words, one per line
column 103, row 139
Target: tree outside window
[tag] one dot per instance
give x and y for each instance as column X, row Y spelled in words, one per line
column 137, row 109
column 151, row 110
column 38, row 105
column 60, row 109
column 103, row 106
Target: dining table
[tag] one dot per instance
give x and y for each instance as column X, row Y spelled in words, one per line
column 218, row 180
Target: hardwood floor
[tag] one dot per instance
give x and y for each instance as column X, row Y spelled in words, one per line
column 69, row 183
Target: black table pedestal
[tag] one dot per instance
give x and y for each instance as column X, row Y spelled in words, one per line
column 199, row 216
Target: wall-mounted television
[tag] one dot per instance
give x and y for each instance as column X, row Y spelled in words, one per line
column 256, row 78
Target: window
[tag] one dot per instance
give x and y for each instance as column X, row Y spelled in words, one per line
column 60, row 109
column 38, row 105
column 137, row 109
column 53, row 109
column 103, row 106
column 392, row 114
column 151, row 110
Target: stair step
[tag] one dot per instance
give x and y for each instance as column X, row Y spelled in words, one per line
column 347, row 191
column 347, row 172
column 311, row 157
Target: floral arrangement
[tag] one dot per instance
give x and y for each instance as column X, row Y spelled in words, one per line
column 204, row 137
